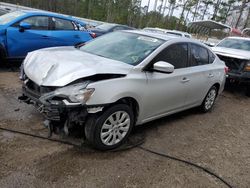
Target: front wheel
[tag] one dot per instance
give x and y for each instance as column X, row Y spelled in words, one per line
column 209, row 100
column 111, row 128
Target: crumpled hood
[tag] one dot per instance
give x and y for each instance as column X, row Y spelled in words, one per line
column 62, row 65
column 234, row 53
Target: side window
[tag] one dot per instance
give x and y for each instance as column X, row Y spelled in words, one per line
column 211, row 57
column 199, row 55
column 176, row 54
column 37, row 22
column 61, row 24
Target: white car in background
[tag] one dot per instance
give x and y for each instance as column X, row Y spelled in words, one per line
column 235, row 52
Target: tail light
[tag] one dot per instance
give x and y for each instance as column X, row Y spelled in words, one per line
column 93, row 35
column 226, row 70
column 247, row 67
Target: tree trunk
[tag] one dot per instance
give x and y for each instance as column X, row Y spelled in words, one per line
column 216, row 8
column 155, row 5
column 205, row 11
column 182, row 14
column 196, row 8
column 247, row 20
column 148, row 5
column 241, row 11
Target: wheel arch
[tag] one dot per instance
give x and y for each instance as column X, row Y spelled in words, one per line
column 217, row 85
column 131, row 102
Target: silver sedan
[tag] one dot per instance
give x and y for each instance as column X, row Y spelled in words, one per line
column 120, row 80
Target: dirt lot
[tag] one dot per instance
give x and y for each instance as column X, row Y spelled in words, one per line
column 219, row 140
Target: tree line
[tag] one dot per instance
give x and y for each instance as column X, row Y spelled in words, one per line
column 135, row 14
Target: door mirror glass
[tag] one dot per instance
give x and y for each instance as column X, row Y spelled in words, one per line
column 163, row 66
column 24, row 25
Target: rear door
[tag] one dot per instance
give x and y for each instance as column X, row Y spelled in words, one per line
column 66, row 33
column 199, row 74
column 20, row 42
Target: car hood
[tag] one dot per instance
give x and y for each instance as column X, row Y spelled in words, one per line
column 63, row 65
column 234, row 53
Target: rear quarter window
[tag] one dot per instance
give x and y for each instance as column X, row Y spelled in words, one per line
column 211, row 57
column 198, row 55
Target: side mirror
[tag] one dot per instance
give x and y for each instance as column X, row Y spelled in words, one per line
column 164, row 67
column 24, row 26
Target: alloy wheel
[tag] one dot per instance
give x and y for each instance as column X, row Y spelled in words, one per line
column 115, row 128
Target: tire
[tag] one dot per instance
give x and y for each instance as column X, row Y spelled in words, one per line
column 248, row 91
column 114, row 133
column 209, row 100
column 2, row 59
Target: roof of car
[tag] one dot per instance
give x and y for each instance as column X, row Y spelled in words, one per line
column 241, row 38
column 47, row 13
column 155, row 35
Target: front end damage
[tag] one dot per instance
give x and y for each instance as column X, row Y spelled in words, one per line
column 239, row 69
column 63, row 107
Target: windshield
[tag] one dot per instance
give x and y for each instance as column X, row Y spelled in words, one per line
column 129, row 48
column 235, row 44
column 105, row 26
column 6, row 18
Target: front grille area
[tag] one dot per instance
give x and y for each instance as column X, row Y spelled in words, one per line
column 234, row 64
column 38, row 90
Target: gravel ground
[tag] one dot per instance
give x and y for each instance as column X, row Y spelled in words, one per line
column 219, row 141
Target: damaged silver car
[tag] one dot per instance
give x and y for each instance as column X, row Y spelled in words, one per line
column 235, row 52
column 120, row 80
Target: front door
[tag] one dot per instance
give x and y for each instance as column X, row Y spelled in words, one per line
column 167, row 92
column 20, row 42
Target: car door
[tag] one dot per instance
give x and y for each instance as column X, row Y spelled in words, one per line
column 167, row 92
column 20, row 41
column 199, row 73
column 66, row 33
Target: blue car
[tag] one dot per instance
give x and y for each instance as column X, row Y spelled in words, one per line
column 25, row 31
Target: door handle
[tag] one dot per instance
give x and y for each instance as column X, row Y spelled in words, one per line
column 184, row 80
column 76, row 36
column 45, row 36
column 210, row 75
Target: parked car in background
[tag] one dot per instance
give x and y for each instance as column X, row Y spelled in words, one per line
column 235, row 52
column 108, row 87
column 3, row 11
column 165, row 31
column 24, row 31
column 108, row 27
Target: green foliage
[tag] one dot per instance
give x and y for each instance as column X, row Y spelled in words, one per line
column 130, row 12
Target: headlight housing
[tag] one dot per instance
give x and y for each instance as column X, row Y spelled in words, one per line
column 247, row 67
column 77, row 93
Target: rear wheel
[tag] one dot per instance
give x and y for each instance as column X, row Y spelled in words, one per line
column 209, row 100
column 111, row 128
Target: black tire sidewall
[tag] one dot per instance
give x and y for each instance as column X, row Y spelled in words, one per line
column 203, row 108
column 94, row 126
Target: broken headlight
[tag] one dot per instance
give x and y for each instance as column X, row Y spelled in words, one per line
column 247, row 67
column 77, row 93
